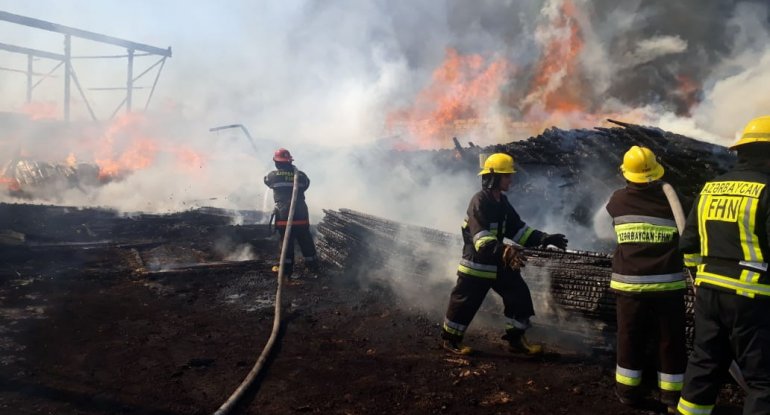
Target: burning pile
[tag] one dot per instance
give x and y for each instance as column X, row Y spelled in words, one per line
column 86, row 155
column 45, row 177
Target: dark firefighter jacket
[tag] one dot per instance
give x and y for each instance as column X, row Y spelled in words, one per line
column 487, row 223
column 647, row 258
column 282, row 183
column 727, row 231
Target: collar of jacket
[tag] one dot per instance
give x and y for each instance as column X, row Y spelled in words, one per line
column 754, row 164
column 644, row 186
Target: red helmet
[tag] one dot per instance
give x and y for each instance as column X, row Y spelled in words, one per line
column 282, row 155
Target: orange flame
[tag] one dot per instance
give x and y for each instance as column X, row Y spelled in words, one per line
column 10, row 183
column 466, row 92
column 463, row 88
column 71, row 160
column 557, row 85
column 124, row 148
column 188, row 159
column 127, row 146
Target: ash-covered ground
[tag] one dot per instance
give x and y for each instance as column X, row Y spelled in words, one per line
column 104, row 313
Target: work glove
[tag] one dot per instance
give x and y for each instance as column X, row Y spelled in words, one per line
column 558, row 240
column 513, row 257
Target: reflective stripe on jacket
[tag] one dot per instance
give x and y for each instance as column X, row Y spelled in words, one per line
column 282, row 183
column 647, row 258
column 727, row 231
column 488, row 221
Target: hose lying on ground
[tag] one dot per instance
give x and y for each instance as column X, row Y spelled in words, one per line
column 238, row 393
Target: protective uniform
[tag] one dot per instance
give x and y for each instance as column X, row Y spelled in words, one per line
column 648, row 280
column 488, row 221
column 726, row 238
column 281, row 181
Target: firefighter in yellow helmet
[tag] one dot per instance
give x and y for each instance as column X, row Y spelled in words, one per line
column 647, row 279
column 726, row 238
column 490, row 262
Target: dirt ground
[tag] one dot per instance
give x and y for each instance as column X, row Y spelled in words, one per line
column 99, row 328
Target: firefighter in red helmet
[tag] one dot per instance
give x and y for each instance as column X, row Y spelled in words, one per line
column 281, row 181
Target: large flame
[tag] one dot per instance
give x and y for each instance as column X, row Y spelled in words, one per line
column 482, row 96
column 124, row 147
column 556, row 86
column 464, row 88
column 128, row 145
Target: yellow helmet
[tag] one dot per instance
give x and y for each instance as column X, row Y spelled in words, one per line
column 498, row 163
column 757, row 130
column 641, row 166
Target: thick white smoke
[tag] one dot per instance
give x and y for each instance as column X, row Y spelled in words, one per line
column 320, row 78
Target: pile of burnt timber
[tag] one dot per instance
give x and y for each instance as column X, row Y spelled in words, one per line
column 569, row 288
column 61, row 239
column 25, row 178
column 570, row 174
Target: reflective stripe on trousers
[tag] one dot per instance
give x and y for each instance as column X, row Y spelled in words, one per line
column 628, row 377
column 454, row 328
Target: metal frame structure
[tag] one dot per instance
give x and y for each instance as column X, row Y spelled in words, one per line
column 66, row 58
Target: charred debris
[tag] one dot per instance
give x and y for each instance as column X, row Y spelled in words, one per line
column 569, row 172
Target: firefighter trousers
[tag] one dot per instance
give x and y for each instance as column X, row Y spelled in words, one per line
column 728, row 326
column 469, row 293
column 641, row 318
column 301, row 234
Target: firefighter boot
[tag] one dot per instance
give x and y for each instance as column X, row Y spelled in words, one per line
column 312, row 269
column 628, row 396
column 454, row 344
column 517, row 343
column 670, row 399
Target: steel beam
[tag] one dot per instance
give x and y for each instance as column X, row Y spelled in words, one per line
column 30, row 73
column 130, row 80
column 33, row 52
column 67, row 75
column 71, row 31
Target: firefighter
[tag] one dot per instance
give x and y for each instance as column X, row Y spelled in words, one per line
column 487, row 262
column 281, row 181
column 648, row 280
column 726, row 238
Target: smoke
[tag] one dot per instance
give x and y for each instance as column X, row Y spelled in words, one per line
column 650, row 49
column 322, row 78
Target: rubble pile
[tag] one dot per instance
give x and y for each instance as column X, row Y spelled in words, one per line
column 570, row 174
column 59, row 238
column 23, row 176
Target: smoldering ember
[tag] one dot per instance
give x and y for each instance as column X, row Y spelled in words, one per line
column 109, row 312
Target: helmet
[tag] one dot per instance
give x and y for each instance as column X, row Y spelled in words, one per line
column 282, row 155
column 641, row 166
column 756, row 131
column 498, row 163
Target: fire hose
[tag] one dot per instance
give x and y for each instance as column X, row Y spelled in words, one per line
column 228, row 405
column 679, row 218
